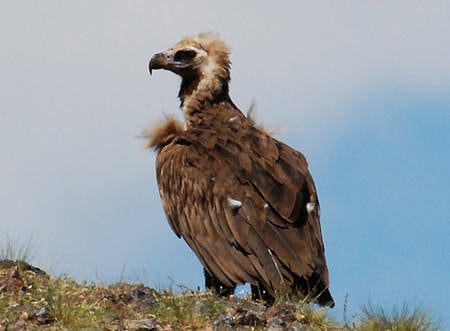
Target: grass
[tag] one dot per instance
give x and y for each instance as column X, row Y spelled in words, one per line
column 374, row 318
column 317, row 318
column 190, row 309
column 16, row 252
column 30, row 299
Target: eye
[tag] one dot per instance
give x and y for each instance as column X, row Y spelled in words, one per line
column 184, row 55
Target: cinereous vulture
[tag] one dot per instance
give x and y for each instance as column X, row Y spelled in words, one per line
column 244, row 202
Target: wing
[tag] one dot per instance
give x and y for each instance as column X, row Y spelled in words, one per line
column 245, row 203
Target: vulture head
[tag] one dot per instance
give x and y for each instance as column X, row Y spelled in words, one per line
column 203, row 55
column 204, row 66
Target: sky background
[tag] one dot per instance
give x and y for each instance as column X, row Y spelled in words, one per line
column 361, row 88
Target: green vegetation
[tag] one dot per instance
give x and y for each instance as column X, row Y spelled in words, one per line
column 31, row 300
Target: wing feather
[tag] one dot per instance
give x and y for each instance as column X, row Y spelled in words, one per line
column 266, row 234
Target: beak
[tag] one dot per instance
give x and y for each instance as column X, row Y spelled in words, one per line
column 158, row 61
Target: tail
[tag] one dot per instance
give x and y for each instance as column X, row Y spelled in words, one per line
column 325, row 298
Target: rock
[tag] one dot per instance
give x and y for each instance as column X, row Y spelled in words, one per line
column 144, row 295
column 143, row 325
column 19, row 325
column 11, row 280
column 279, row 316
column 224, row 320
column 15, row 275
column 23, row 266
column 44, row 316
column 126, row 294
column 247, row 313
column 134, row 325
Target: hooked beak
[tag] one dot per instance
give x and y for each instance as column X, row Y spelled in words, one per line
column 158, row 61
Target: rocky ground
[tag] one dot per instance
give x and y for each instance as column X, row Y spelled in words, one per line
column 32, row 300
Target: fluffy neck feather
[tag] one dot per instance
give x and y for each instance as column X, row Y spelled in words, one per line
column 198, row 93
column 208, row 84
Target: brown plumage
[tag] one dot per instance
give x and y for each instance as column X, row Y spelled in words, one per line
column 243, row 201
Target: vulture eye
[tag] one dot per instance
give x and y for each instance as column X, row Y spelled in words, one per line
column 184, row 55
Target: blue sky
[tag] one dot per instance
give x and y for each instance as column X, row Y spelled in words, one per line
column 362, row 89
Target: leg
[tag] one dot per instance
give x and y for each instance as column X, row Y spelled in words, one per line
column 214, row 284
column 260, row 293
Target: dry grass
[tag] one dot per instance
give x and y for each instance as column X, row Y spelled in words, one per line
column 16, row 252
column 400, row 319
column 31, row 300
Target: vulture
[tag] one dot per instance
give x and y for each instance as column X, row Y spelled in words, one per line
column 243, row 201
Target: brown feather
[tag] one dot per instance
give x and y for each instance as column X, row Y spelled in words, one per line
column 244, row 202
column 162, row 135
